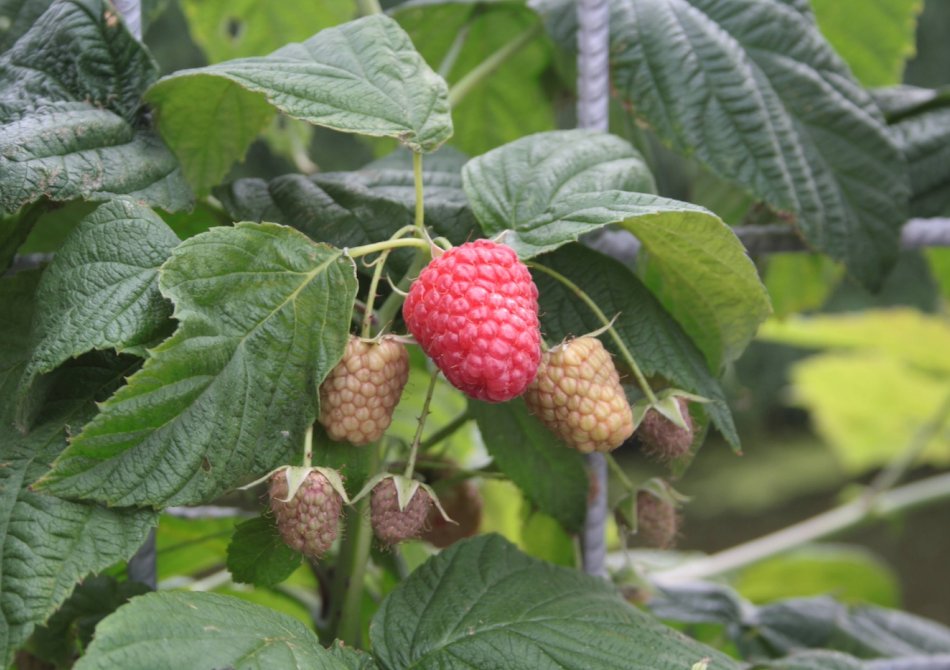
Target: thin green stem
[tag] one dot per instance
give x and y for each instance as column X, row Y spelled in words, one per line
column 420, row 197
column 615, row 336
column 411, row 465
column 367, row 7
column 371, row 295
column 620, row 474
column 488, row 66
column 357, row 545
column 387, row 312
column 366, row 249
column 447, row 430
column 448, row 62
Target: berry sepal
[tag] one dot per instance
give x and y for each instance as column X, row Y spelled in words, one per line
column 653, row 505
column 296, row 475
column 666, row 405
column 406, row 488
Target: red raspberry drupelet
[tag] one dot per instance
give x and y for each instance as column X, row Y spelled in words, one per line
column 474, row 311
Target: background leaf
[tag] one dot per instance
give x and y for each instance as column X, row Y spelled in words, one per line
column 874, row 39
column 522, row 447
column 361, row 77
column 69, row 114
column 264, row 317
column 756, row 93
column 257, row 554
column 100, row 292
column 483, row 603
column 209, row 630
column 657, row 342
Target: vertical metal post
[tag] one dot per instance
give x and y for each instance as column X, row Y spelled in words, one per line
column 593, row 18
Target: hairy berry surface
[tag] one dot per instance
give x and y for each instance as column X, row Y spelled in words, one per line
column 657, row 521
column 578, row 396
column 359, row 395
column 663, row 439
column 474, row 311
column 390, row 525
column 309, row 521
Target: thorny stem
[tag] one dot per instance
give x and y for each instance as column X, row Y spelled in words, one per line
column 371, row 295
column 488, row 66
column 586, row 299
column 878, row 502
column 411, row 465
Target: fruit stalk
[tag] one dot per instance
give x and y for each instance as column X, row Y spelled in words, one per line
column 411, row 465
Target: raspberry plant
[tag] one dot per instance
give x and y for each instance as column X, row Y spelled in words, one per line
column 361, row 337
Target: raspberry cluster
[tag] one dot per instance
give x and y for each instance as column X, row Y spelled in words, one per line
column 474, row 311
column 578, row 396
column 309, row 521
column 359, row 395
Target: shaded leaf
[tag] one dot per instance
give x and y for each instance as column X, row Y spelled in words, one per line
column 482, row 603
column 361, row 77
column 70, row 124
column 755, row 92
column 209, row 630
column 264, row 315
column 100, row 292
column 257, row 554
column 522, row 447
column 656, row 341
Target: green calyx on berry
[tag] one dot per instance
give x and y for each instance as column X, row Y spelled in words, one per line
column 665, row 427
column 399, row 507
column 651, row 514
column 307, row 503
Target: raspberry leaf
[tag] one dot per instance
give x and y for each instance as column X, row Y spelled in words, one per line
column 657, row 342
column 47, row 544
column 100, row 292
column 549, row 189
column 522, row 447
column 257, row 554
column 361, row 77
column 264, row 316
column 483, row 599
column 754, row 91
column 70, row 127
column 210, row 630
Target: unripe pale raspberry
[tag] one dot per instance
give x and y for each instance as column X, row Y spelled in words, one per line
column 657, row 521
column 359, row 395
column 664, row 440
column 390, row 525
column 309, row 521
column 474, row 311
column 578, row 396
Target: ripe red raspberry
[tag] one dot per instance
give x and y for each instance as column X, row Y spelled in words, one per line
column 309, row 521
column 359, row 395
column 664, row 440
column 578, row 396
column 392, row 525
column 474, row 311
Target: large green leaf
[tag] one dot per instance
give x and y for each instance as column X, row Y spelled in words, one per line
column 874, row 39
column 656, row 341
column 550, row 188
column 227, row 29
column 522, row 447
column 483, row 604
column 361, row 77
column 347, row 209
column 264, row 317
column 70, row 124
column 754, row 91
column 100, row 291
column 16, row 17
column 209, row 631
column 47, row 544
column 513, row 101
column 257, row 554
